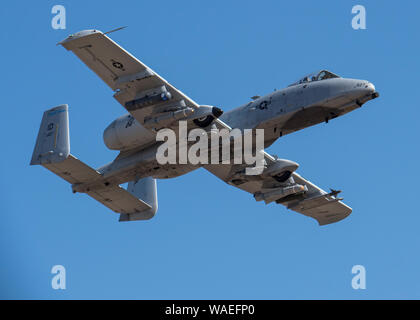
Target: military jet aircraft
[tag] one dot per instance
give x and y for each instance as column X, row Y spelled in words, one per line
column 153, row 103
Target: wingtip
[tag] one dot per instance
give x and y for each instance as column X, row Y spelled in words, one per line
column 80, row 34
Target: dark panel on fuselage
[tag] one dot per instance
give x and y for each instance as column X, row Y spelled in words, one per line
column 309, row 117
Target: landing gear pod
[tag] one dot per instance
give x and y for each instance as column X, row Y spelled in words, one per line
column 281, row 169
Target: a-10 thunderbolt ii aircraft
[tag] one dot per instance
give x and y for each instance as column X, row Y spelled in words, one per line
column 152, row 104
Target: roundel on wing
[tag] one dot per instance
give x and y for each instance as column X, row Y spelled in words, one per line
column 117, row 64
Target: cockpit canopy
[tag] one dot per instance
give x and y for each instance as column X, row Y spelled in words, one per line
column 316, row 76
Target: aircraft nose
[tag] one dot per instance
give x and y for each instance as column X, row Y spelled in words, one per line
column 370, row 87
column 365, row 91
column 363, row 88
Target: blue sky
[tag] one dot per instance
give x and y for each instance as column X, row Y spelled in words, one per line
column 210, row 240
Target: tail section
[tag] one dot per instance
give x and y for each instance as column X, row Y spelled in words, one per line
column 52, row 151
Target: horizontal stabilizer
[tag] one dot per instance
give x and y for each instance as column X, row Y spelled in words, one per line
column 120, row 200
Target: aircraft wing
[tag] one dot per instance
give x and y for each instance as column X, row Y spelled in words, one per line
column 150, row 99
column 325, row 207
column 296, row 193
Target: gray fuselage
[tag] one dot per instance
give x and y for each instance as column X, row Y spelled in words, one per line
column 279, row 113
column 299, row 106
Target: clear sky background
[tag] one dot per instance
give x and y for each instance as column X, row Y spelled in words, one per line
column 208, row 239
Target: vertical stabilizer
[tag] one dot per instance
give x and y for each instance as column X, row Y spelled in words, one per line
column 53, row 142
column 146, row 190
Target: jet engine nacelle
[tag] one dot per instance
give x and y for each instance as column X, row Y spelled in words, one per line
column 281, row 169
column 126, row 133
column 205, row 115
